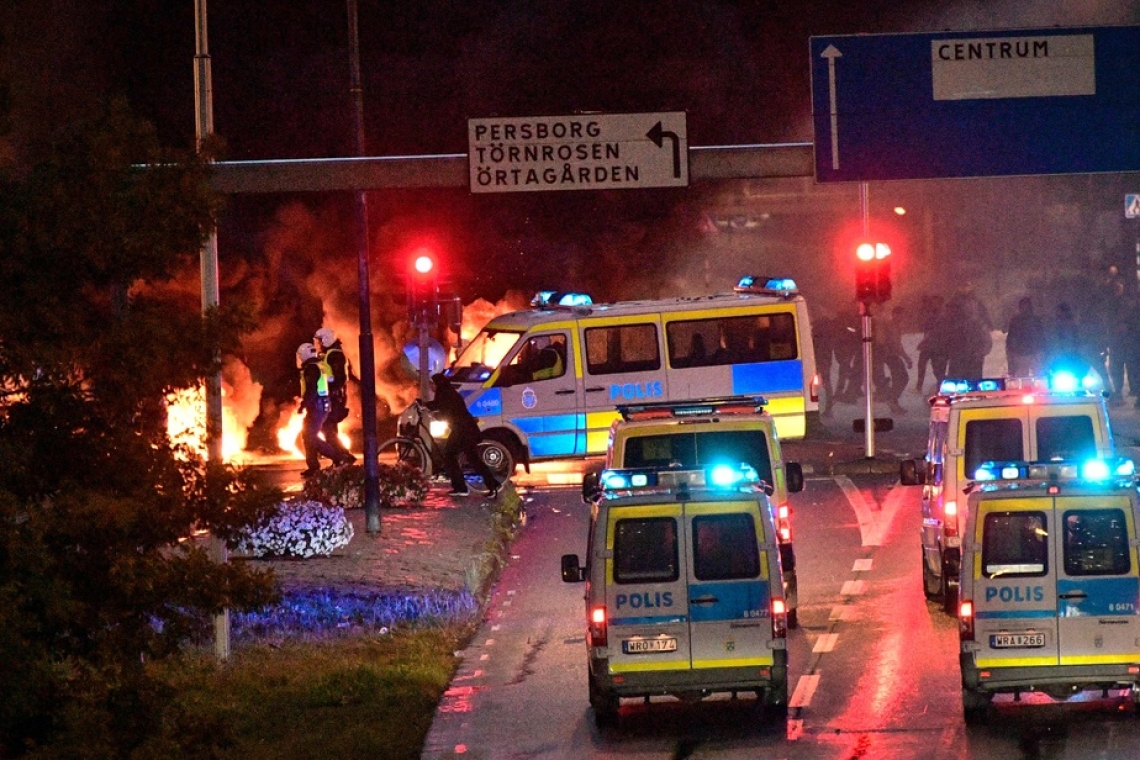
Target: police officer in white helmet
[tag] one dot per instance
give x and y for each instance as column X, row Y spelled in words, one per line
column 315, row 405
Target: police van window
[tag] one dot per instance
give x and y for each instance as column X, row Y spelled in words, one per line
column 732, row 340
column 645, row 550
column 622, row 348
column 1067, row 437
column 724, row 547
column 1096, row 542
column 992, row 440
column 1015, row 545
column 700, row 449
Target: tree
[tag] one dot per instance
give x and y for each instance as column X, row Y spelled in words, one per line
column 98, row 569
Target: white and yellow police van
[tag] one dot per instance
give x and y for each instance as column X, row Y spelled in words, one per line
column 1050, row 584
column 546, row 382
column 694, row 434
column 993, row 419
column 684, row 590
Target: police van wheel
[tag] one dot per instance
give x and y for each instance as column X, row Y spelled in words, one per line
column 975, row 707
column 929, row 583
column 498, row 457
column 949, row 592
column 605, row 704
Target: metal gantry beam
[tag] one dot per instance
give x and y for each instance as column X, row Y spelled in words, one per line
column 715, row 162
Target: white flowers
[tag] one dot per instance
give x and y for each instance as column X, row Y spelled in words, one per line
column 300, row 529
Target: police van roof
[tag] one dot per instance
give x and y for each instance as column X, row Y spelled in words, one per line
column 722, row 405
column 1058, row 386
column 524, row 318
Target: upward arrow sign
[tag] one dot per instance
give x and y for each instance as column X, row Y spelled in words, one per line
column 831, row 53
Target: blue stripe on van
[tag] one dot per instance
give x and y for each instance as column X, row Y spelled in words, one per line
column 1106, row 596
column 653, row 620
column 736, row 600
column 552, row 423
column 998, row 614
column 768, row 377
column 553, row 445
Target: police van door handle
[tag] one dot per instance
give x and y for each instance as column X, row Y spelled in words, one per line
column 1074, row 595
column 565, row 392
column 704, row 600
column 595, row 389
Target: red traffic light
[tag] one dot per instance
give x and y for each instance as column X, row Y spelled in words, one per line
column 873, row 272
column 424, row 263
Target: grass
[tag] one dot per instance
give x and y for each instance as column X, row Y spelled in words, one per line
column 343, row 698
column 331, row 674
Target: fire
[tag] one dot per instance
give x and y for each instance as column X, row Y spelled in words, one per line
column 186, row 423
column 289, row 435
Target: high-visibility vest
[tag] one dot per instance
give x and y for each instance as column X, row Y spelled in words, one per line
column 322, row 380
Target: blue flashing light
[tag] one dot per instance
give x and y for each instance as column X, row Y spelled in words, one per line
column 548, row 298
column 1095, row 469
column 1090, row 470
column 777, row 285
column 575, row 299
column 730, row 475
column 1064, row 381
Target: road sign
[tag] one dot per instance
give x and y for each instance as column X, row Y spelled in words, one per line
column 579, row 152
column 1131, row 206
column 976, row 104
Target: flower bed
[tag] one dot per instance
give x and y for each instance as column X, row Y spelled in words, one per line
column 401, row 485
column 300, row 529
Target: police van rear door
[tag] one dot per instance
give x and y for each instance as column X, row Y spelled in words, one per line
column 1097, row 582
column 729, row 592
column 646, row 596
column 1015, row 583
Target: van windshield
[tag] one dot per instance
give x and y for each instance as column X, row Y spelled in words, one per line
column 482, row 355
column 689, row 449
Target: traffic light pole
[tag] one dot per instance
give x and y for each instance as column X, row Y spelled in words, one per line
column 869, row 395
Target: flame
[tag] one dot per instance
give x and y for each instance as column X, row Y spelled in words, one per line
column 289, row 434
column 186, row 423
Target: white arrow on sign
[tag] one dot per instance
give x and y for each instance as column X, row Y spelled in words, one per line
column 831, row 53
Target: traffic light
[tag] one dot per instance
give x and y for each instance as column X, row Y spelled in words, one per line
column 423, row 287
column 872, row 272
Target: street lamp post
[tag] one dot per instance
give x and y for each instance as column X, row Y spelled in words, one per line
column 367, row 357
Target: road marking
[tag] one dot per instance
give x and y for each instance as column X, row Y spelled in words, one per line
column 853, row 588
column 862, row 566
column 869, row 532
column 826, row 642
column 840, row 613
column 795, row 730
column 805, row 689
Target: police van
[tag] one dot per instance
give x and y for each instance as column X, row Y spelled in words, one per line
column 998, row 419
column 705, row 433
column 545, row 382
column 684, row 589
column 1050, row 583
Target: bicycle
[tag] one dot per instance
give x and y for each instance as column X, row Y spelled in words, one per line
column 415, row 445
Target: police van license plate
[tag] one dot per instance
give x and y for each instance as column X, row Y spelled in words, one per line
column 643, row 646
column 1017, row 640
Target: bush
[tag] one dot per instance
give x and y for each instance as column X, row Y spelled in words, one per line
column 401, row 485
column 300, row 529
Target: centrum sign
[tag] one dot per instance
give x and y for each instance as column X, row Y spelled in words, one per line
column 578, row 152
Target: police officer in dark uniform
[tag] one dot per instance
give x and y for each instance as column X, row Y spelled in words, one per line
column 463, row 438
column 334, row 364
column 315, row 405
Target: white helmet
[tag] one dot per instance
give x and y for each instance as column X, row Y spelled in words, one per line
column 306, row 351
column 326, row 336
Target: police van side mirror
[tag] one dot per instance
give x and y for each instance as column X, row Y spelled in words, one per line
column 910, row 473
column 794, row 474
column 591, row 487
column 572, row 571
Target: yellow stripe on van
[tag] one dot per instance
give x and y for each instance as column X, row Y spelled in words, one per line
column 598, row 430
column 1018, row 662
column 737, row 663
column 1097, row 659
column 647, row 667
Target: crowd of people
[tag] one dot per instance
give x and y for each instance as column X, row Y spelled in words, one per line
column 957, row 334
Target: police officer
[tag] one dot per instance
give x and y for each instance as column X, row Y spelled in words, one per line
column 334, row 365
column 315, row 405
column 463, row 438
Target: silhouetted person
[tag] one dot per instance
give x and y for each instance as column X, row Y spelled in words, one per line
column 967, row 341
column 1024, row 340
column 463, row 438
column 891, row 361
column 929, row 350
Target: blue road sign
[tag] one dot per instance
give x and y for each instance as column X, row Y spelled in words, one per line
column 976, row 104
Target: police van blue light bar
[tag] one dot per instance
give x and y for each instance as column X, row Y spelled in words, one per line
column 716, row 405
column 719, row 475
column 1089, row 470
column 1061, row 381
column 782, row 286
column 547, row 298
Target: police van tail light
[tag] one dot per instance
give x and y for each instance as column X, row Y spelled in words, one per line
column 816, row 381
column 783, row 520
column 950, row 513
column 597, row 629
column 966, row 620
column 779, row 618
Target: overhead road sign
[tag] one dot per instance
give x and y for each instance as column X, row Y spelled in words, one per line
column 976, row 104
column 706, row 162
column 578, row 152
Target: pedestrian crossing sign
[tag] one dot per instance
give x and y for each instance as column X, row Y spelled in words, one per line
column 1132, row 206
